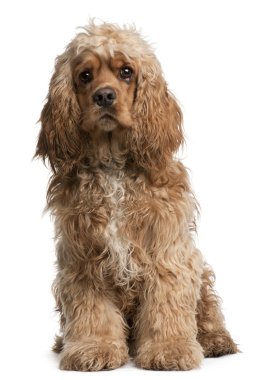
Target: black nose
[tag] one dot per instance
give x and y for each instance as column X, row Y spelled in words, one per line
column 104, row 97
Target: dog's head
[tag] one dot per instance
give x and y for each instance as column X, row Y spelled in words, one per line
column 107, row 80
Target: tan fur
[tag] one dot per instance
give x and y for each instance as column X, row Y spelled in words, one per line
column 129, row 275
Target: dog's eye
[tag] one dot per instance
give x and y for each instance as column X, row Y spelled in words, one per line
column 86, row 76
column 126, row 72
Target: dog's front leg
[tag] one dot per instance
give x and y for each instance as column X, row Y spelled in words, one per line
column 93, row 330
column 166, row 326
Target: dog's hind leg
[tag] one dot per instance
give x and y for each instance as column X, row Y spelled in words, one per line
column 212, row 334
column 58, row 345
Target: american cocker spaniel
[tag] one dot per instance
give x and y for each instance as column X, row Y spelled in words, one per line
column 130, row 279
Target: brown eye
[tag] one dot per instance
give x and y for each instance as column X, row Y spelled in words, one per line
column 86, row 76
column 126, row 72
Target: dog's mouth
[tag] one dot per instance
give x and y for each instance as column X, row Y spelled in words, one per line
column 107, row 122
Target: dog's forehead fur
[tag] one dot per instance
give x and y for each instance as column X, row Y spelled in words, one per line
column 106, row 41
column 109, row 39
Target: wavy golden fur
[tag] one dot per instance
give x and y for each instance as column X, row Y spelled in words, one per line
column 130, row 280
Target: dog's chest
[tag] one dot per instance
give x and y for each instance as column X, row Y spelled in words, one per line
column 115, row 196
column 115, row 238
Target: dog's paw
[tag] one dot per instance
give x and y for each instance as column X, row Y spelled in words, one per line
column 58, row 345
column 217, row 344
column 176, row 354
column 93, row 355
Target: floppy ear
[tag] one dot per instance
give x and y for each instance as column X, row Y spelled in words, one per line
column 157, row 117
column 59, row 139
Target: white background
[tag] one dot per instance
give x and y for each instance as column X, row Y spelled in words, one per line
column 206, row 50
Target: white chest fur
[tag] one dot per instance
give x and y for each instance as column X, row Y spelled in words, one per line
column 119, row 246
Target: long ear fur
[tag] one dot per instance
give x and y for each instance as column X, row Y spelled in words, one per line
column 158, row 119
column 59, row 139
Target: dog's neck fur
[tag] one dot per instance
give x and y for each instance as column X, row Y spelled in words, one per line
column 106, row 149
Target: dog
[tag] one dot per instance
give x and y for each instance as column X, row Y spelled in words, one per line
column 130, row 280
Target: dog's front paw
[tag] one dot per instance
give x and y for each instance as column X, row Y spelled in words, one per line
column 217, row 344
column 176, row 354
column 93, row 355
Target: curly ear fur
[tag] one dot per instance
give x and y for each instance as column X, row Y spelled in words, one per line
column 158, row 118
column 60, row 139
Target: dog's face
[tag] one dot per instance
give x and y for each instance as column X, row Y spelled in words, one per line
column 105, row 87
column 109, row 80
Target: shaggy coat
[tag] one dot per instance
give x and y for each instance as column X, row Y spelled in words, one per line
column 130, row 279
